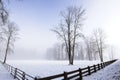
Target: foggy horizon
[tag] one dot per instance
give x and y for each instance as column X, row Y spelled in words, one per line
column 36, row 19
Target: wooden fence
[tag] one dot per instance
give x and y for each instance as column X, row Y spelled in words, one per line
column 17, row 73
column 75, row 75
column 78, row 74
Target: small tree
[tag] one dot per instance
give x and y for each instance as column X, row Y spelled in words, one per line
column 111, row 52
column 88, row 47
column 56, row 52
column 99, row 38
column 70, row 29
column 91, row 51
column 10, row 32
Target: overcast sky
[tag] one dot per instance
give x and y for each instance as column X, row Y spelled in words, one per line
column 35, row 18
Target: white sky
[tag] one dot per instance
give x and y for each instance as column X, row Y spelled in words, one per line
column 36, row 18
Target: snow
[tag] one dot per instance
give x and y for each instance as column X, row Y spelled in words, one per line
column 49, row 68
column 4, row 74
column 111, row 72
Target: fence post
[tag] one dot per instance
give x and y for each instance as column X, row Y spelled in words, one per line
column 35, row 78
column 15, row 73
column 65, row 76
column 8, row 67
column 23, row 76
column 11, row 70
column 101, row 66
column 80, row 73
column 89, row 73
column 94, row 68
column 98, row 67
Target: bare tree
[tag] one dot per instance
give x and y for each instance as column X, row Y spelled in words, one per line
column 91, row 51
column 3, row 13
column 70, row 29
column 99, row 37
column 10, row 32
column 88, row 47
column 56, row 52
column 79, row 51
column 112, row 52
column 94, row 51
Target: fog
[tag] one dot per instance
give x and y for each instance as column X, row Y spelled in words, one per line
column 36, row 19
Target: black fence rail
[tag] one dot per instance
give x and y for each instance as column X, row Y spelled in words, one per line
column 74, row 75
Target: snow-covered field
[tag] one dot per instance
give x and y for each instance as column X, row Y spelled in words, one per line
column 48, row 68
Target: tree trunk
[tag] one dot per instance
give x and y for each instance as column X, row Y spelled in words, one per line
column 6, row 51
column 69, row 45
column 101, row 50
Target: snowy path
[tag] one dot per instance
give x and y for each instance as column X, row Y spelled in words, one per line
column 111, row 72
column 4, row 74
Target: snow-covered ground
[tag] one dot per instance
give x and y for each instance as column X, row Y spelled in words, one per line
column 4, row 74
column 111, row 72
column 48, row 68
